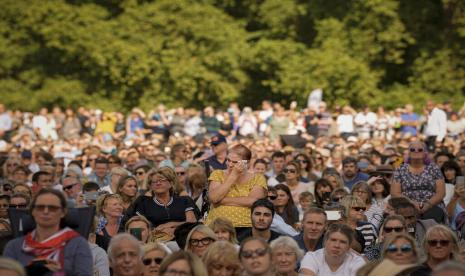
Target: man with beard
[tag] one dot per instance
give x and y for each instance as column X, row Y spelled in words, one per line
column 351, row 173
column 125, row 255
column 314, row 224
column 262, row 212
column 336, row 258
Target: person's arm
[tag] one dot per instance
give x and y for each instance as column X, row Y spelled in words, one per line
column 245, row 201
column 101, row 263
column 82, row 260
column 306, row 272
column 218, row 190
column 437, row 197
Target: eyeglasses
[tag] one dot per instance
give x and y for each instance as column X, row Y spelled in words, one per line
column 358, row 209
column 180, row 173
column 149, row 261
column 260, row 252
column 204, row 241
column 438, row 242
column 69, row 187
column 405, row 248
column 272, row 197
column 18, row 206
column 289, row 171
column 416, row 150
column 302, row 161
column 395, row 229
column 140, row 173
column 42, row 207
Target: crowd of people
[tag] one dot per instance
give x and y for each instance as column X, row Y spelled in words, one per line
column 237, row 192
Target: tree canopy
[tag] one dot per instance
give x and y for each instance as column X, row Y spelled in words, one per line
column 116, row 54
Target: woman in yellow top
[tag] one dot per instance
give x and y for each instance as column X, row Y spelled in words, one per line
column 233, row 190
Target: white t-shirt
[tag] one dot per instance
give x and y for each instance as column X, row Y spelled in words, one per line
column 315, row 261
column 345, row 123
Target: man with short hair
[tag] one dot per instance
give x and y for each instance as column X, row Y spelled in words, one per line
column 41, row 180
column 278, row 162
column 436, row 125
column 314, row 224
column 125, row 255
column 415, row 226
column 351, row 173
column 262, row 212
column 100, row 174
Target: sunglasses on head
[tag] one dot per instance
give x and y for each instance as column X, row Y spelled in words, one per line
column 149, row 261
column 416, row 149
column 289, row 171
column 438, row 242
column 259, row 252
column 395, row 229
column 358, row 209
column 403, row 248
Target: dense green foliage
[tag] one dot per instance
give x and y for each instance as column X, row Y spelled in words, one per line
column 117, row 54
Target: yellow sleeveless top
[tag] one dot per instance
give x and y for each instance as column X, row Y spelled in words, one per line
column 239, row 216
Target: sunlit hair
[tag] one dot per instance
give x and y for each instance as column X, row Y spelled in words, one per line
column 103, row 200
column 223, row 253
column 391, row 239
column 224, row 224
column 12, row 265
column 195, row 263
column 156, row 246
column 168, row 174
column 389, row 218
column 201, row 229
column 241, row 150
column 287, row 242
column 444, row 231
column 351, row 201
column 138, row 218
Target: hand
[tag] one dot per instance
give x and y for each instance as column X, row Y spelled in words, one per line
column 53, row 265
column 373, row 179
column 238, row 169
column 459, row 190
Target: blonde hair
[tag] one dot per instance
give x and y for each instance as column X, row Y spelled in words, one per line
column 226, row 225
column 12, row 265
column 154, row 246
column 444, row 231
column 202, row 229
column 102, row 200
column 195, row 263
column 350, row 201
column 170, row 175
column 225, row 253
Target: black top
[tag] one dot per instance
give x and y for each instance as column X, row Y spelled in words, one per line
column 215, row 164
column 157, row 213
column 248, row 233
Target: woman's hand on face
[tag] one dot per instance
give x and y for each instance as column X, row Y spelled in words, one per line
column 239, row 168
column 373, row 179
column 459, row 190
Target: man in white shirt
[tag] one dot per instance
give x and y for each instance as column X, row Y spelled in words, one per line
column 5, row 121
column 336, row 258
column 436, row 125
column 365, row 122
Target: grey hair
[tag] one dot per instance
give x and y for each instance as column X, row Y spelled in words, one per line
column 289, row 242
column 449, row 266
column 153, row 246
column 117, row 239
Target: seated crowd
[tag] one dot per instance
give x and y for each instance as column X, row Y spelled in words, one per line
column 330, row 206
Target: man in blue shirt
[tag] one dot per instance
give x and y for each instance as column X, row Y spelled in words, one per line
column 409, row 121
column 351, row 173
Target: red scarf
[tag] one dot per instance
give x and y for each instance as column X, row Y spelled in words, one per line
column 51, row 248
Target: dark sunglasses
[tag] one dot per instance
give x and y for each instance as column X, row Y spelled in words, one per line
column 405, row 248
column 69, row 187
column 51, row 208
column 180, row 173
column 150, row 260
column 289, row 171
column 358, row 209
column 416, row 150
column 395, row 229
column 438, row 242
column 140, row 173
column 260, row 252
column 272, row 197
column 204, row 241
column 302, row 161
column 18, row 206
column 6, row 188
column 337, row 198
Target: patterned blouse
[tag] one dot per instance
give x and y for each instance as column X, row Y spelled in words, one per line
column 418, row 187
